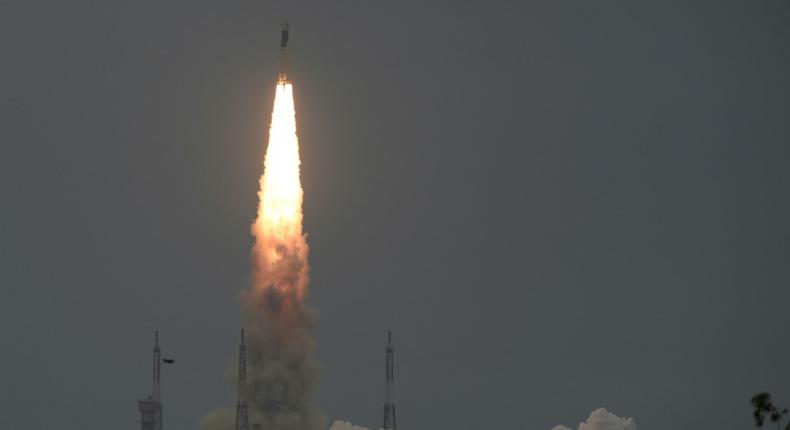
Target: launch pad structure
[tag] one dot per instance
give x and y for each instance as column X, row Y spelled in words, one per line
column 151, row 407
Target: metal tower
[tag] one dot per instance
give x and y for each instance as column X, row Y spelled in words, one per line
column 151, row 408
column 390, row 422
column 242, row 419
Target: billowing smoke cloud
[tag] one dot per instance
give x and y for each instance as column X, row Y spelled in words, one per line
column 345, row 425
column 601, row 419
column 282, row 372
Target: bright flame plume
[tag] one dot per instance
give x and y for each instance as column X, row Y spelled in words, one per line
column 280, row 205
column 278, row 227
column 282, row 372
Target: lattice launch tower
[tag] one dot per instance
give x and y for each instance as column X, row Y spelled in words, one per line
column 390, row 422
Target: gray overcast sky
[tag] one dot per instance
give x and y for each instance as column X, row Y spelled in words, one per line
column 555, row 205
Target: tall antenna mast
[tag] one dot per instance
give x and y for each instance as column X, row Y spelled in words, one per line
column 157, row 392
column 151, row 407
column 242, row 419
column 390, row 422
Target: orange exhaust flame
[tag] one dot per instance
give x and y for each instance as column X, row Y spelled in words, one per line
column 280, row 252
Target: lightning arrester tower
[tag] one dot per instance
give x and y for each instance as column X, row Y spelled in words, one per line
column 390, row 422
column 151, row 407
column 242, row 419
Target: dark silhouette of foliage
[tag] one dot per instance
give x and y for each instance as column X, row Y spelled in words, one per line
column 764, row 407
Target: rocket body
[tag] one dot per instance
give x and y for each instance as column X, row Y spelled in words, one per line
column 283, row 75
column 284, row 34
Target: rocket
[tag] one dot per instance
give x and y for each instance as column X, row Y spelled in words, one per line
column 283, row 75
